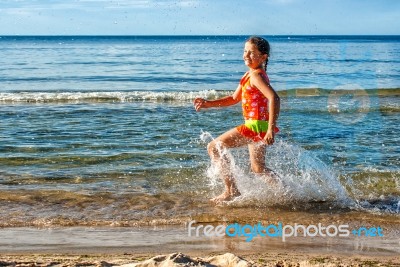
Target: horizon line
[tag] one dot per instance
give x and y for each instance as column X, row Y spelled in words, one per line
column 190, row 35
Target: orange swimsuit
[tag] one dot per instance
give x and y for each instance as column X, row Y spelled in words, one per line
column 255, row 110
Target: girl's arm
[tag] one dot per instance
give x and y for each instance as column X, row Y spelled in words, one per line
column 274, row 105
column 226, row 101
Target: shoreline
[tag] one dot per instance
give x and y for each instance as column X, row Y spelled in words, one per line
column 99, row 246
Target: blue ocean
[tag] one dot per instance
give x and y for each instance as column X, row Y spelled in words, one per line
column 101, row 130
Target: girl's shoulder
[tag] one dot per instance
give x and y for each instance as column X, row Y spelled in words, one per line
column 259, row 74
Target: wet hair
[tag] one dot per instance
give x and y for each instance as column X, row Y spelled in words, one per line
column 262, row 46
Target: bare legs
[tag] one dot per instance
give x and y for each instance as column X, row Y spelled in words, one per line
column 216, row 148
column 257, row 161
column 232, row 139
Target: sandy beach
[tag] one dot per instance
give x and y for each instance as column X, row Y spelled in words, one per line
column 284, row 258
column 268, row 258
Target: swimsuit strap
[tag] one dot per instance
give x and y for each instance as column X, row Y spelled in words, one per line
column 246, row 77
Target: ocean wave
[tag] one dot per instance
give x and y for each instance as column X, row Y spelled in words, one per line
column 307, row 92
column 118, row 96
column 174, row 96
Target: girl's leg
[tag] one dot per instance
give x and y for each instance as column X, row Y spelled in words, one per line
column 216, row 148
column 257, row 161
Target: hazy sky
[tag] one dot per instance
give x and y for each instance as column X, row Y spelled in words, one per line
column 214, row 17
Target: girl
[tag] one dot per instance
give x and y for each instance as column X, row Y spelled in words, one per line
column 260, row 104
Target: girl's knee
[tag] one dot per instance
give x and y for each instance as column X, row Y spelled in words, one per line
column 211, row 148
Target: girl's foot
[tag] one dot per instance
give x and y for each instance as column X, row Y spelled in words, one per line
column 273, row 179
column 226, row 196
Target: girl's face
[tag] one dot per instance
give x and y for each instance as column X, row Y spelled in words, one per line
column 252, row 56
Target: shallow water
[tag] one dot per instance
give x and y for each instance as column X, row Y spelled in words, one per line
column 102, row 131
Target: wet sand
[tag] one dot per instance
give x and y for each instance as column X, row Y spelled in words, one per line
column 107, row 246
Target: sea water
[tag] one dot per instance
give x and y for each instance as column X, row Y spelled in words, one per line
column 101, row 130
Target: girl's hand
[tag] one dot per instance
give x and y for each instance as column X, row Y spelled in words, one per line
column 199, row 103
column 269, row 138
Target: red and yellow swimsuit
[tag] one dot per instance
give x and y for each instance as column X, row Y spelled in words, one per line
column 255, row 110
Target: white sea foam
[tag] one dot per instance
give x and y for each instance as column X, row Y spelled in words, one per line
column 117, row 96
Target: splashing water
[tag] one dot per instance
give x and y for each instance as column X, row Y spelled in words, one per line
column 304, row 178
column 308, row 178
